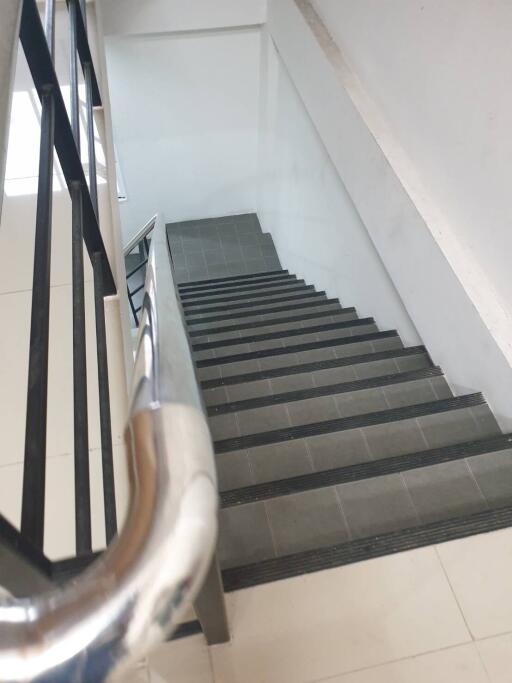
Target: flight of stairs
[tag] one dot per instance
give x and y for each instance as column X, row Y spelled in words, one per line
column 333, row 442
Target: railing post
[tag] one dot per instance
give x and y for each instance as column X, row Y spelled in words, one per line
column 10, row 15
column 210, row 607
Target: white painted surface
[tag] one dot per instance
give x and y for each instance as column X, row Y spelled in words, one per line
column 17, row 229
column 187, row 144
column 303, row 203
column 454, row 305
column 160, row 16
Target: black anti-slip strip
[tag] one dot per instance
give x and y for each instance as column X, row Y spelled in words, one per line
column 365, row 549
column 296, row 332
column 326, row 390
column 270, row 323
column 296, row 348
column 232, row 278
column 312, row 367
column 187, row 628
column 257, row 297
column 366, row 470
column 273, row 281
column 354, row 422
column 256, row 305
column 264, row 311
column 224, row 291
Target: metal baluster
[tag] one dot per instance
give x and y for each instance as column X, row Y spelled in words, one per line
column 34, row 472
column 81, row 431
column 109, row 496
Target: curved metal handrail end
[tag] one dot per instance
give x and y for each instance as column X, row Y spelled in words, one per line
column 101, row 623
column 139, row 235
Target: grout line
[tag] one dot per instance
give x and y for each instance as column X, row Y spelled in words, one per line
column 440, row 559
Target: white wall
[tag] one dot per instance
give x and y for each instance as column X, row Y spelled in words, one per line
column 158, row 16
column 453, row 303
column 304, row 205
column 438, row 73
column 185, row 114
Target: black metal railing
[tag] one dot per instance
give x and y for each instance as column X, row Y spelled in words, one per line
column 61, row 133
column 140, row 244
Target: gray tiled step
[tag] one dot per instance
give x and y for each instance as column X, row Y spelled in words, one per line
column 253, row 277
column 284, row 323
column 273, row 359
column 354, row 446
column 317, row 518
column 296, row 348
column 205, row 290
column 494, row 475
column 327, row 557
column 263, row 293
column 328, row 388
column 400, row 354
column 437, row 412
column 283, row 340
column 277, row 314
column 255, row 304
column 297, row 378
column 283, row 281
column 288, row 332
column 327, row 403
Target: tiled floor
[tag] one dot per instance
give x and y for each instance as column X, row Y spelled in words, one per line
column 434, row 615
column 220, row 247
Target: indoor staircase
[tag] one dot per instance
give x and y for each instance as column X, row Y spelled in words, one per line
column 333, row 442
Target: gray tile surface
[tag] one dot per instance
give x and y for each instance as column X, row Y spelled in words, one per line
column 220, row 247
column 233, row 470
column 444, row 491
column 244, row 535
column 307, row 520
column 377, row 506
column 279, row 461
column 493, row 474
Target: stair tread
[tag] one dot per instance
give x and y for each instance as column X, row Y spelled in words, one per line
column 361, row 549
column 231, row 278
column 295, row 332
column 311, row 367
column 271, row 310
column 364, row 470
column 345, row 423
column 259, row 305
column 296, row 348
column 325, row 390
column 284, row 281
column 258, row 295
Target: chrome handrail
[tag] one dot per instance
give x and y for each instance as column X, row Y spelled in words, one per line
column 139, row 235
column 131, row 597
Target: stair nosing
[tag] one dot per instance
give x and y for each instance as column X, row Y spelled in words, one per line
column 258, row 295
column 361, row 549
column 297, row 348
column 267, row 323
column 230, row 278
column 248, row 314
column 312, row 367
column 280, row 334
column 365, row 470
column 282, row 434
column 324, row 390
column 310, row 294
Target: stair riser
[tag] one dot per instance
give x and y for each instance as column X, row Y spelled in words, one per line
column 234, row 290
column 261, row 295
column 255, row 305
column 250, row 278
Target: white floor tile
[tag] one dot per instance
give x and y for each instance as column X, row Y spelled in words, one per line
column 324, row 624
column 496, row 654
column 139, row 674
column 185, row 660
column 479, row 569
column 455, row 665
